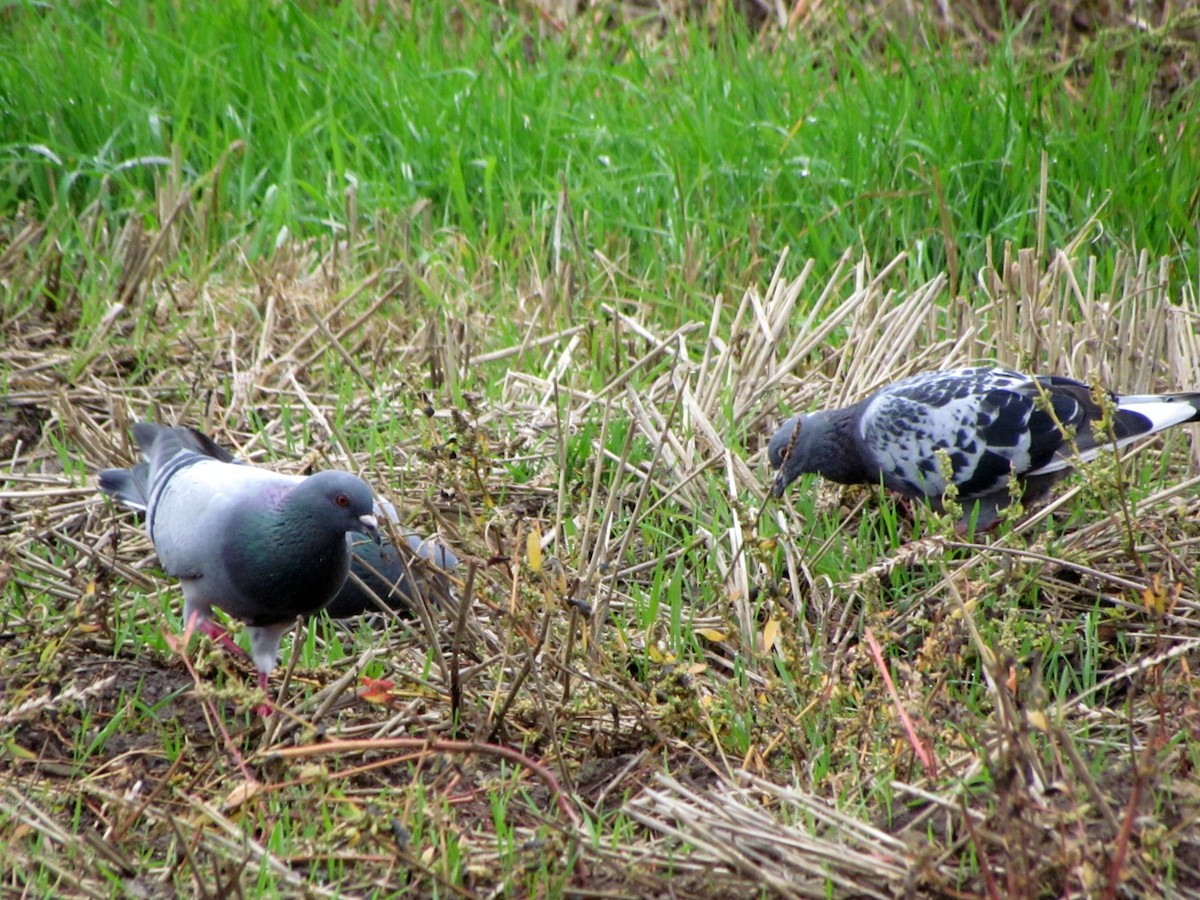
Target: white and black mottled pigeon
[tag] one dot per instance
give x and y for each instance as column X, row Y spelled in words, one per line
column 263, row 546
column 988, row 424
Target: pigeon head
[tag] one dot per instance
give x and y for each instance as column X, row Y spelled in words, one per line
column 820, row 442
column 341, row 499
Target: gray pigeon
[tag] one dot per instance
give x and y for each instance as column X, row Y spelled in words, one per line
column 988, row 425
column 263, row 546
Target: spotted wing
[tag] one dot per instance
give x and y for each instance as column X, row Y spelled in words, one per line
column 977, row 425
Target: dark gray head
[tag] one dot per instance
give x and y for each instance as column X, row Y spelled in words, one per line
column 825, row 442
column 343, row 499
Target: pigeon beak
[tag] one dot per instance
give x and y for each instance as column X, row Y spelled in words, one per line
column 370, row 527
column 780, row 485
column 779, row 454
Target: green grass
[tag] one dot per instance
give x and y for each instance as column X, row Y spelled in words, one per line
column 690, row 164
column 468, row 181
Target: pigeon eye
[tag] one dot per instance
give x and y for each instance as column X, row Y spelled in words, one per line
column 341, row 500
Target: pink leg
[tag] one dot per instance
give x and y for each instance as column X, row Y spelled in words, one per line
column 221, row 636
column 263, row 709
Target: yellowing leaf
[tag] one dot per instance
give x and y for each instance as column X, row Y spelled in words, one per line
column 1038, row 720
column 658, row 655
column 711, row 634
column 240, row 794
column 770, row 634
column 533, row 547
column 1160, row 599
column 1153, row 597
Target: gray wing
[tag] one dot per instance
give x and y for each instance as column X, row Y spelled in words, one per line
column 194, row 502
column 132, row 486
column 387, row 574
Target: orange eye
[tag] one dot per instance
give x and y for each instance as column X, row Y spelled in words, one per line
column 341, row 500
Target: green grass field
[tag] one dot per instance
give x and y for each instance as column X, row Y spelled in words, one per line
column 549, row 279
